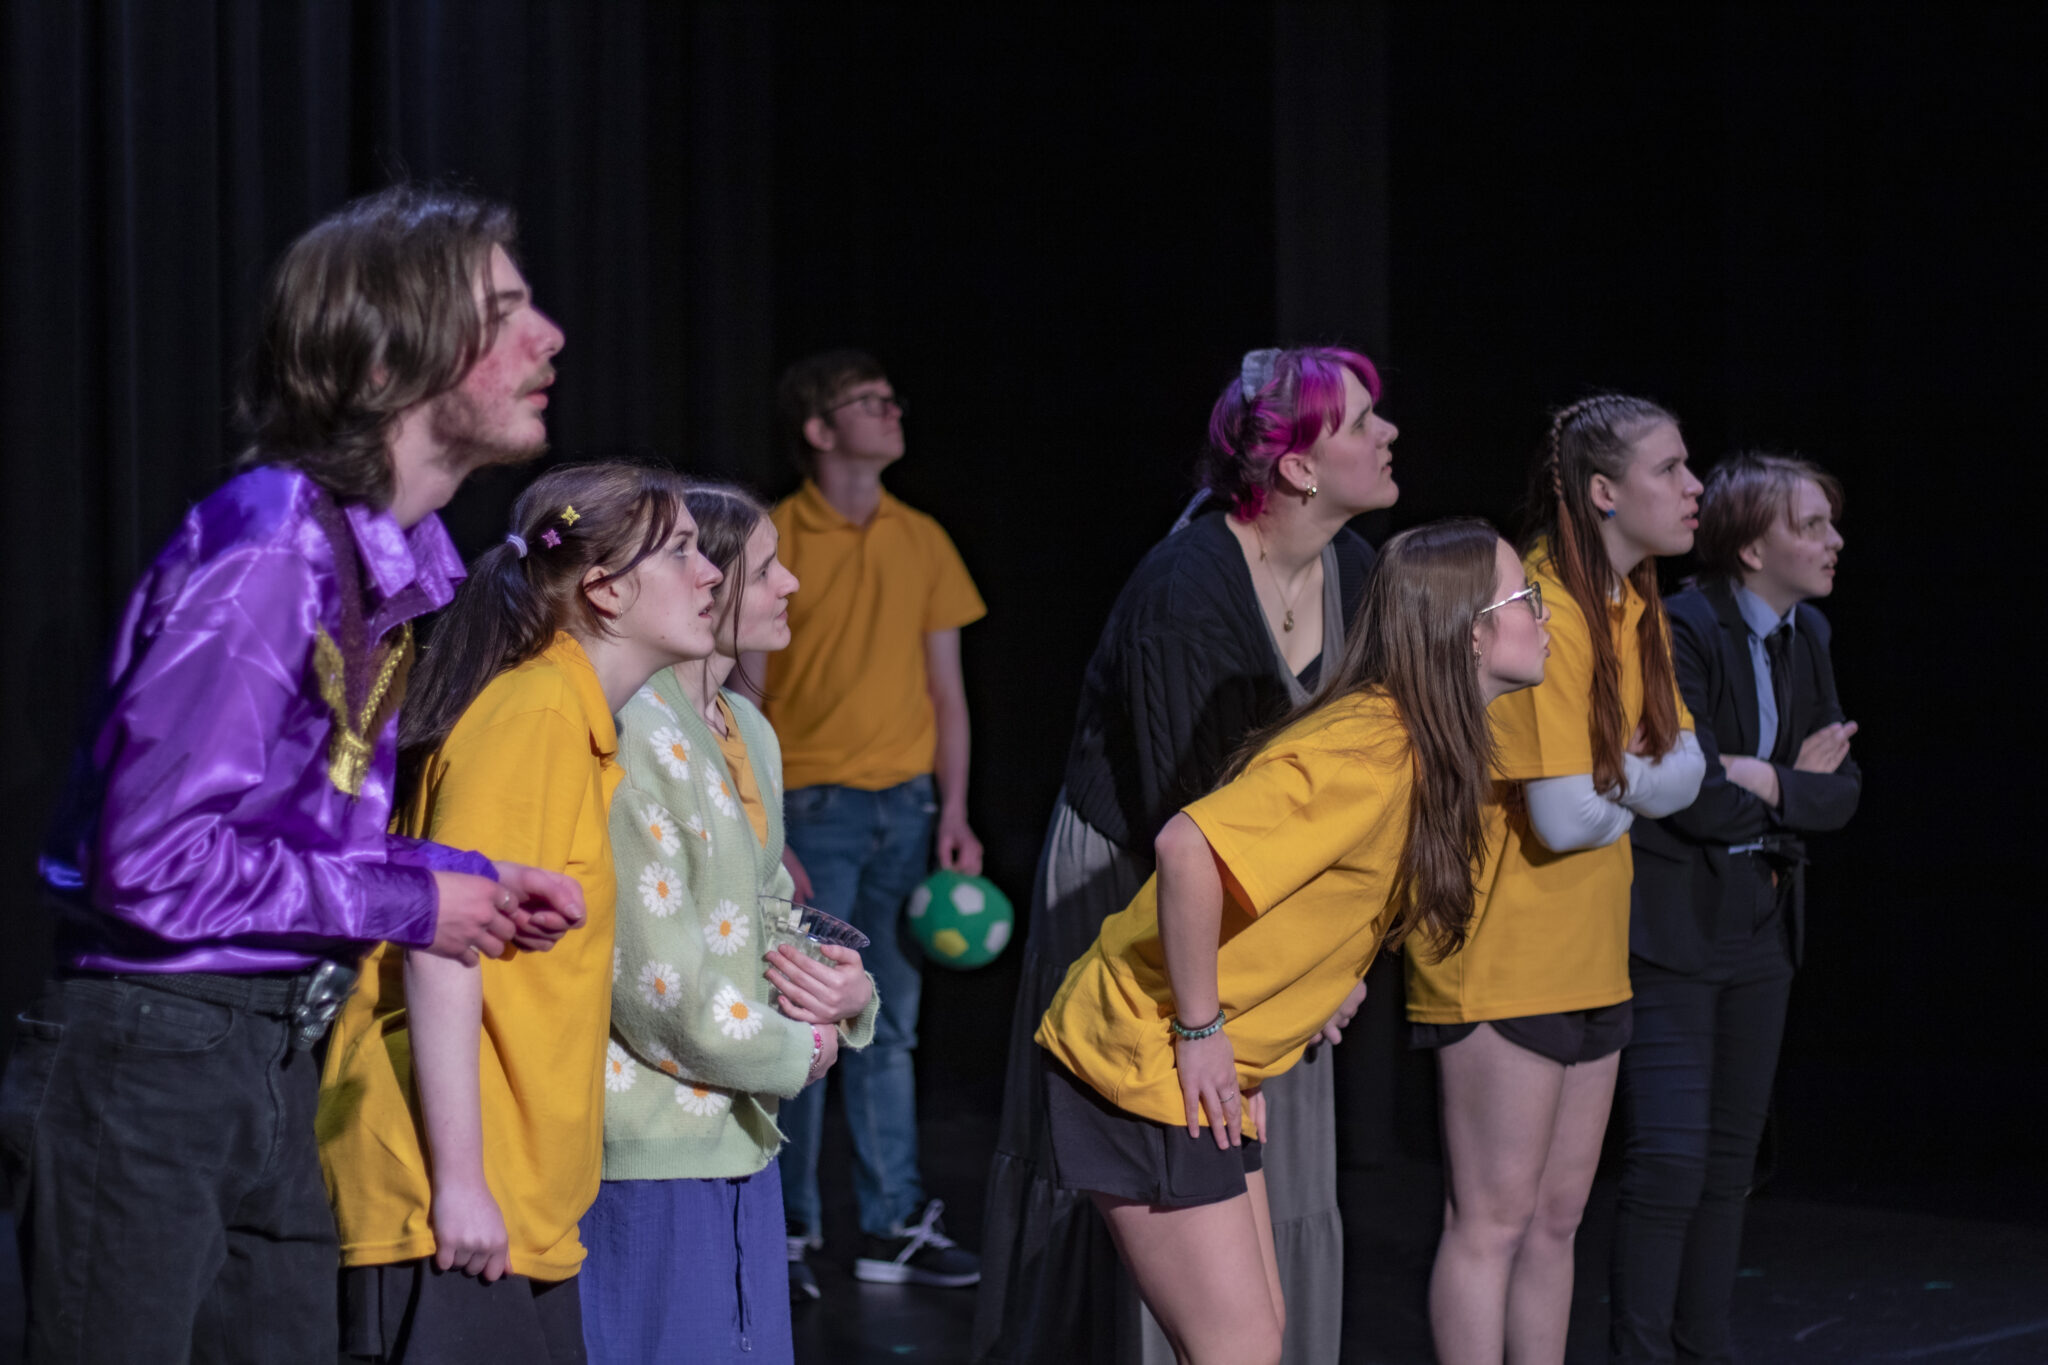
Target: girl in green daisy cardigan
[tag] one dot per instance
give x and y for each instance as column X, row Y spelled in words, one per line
column 686, row 1254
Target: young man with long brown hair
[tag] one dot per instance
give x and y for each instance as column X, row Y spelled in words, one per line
column 222, row 862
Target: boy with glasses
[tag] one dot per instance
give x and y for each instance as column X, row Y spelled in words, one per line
column 872, row 715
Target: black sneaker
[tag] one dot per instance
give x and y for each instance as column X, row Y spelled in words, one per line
column 918, row 1254
column 803, row 1284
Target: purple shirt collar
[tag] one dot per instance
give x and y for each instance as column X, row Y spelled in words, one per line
column 414, row 572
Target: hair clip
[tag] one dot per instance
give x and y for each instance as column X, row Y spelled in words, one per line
column 518, row 543
column 570, row 516
column 551, row 537
column 1257, row 370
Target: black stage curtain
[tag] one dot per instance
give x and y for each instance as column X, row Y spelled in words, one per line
column 1058, row 235
column 1060, row 228
column 159, row 156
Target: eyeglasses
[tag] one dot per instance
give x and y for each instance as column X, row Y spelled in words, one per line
column 1533, row 595
column 873, row 404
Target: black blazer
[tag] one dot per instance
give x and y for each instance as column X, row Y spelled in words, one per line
column 1681, row 863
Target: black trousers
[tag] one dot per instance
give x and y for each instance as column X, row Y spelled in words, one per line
column 1694, row 1092
column 166, row 1182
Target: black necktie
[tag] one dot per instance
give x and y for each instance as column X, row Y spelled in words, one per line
column 1778, row 648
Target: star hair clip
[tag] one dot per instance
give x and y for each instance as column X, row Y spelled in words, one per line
column 551, row 537
column 570, row 516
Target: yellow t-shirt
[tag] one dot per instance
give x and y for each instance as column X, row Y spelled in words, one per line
column 849, row 698
column 732, row 747
column 1312, row 830
column 1549, row 931
column 526, row 776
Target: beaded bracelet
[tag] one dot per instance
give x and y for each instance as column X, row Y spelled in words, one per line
column 1181, row 1030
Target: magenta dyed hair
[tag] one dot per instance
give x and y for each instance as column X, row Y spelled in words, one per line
column 1302, row 401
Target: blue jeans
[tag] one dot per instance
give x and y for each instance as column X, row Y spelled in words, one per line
column 865, row 853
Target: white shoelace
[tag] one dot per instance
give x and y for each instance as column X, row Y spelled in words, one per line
column 924, row 1233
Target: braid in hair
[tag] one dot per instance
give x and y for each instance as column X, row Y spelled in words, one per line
column 1596, row 435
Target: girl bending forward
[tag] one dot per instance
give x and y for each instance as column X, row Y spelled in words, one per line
column 1358, row 819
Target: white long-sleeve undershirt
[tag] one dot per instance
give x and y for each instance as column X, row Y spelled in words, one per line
column 1568, row 814
column 1656, row 790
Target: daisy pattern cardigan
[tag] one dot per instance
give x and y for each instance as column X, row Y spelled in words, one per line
column 699, row 1055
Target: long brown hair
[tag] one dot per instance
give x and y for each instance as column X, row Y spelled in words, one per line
column 572, row 519
column 726, row 516
column 1597, row 435
column 368, row 314
column 1413, row 643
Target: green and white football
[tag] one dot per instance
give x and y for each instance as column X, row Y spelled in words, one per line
column 961, row 921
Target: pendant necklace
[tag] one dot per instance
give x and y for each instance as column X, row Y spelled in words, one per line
column 1286, row 606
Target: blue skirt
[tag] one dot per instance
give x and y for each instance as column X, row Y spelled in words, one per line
column 687, row 1270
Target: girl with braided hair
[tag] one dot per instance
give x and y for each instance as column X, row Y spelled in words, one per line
column 1528, row 1019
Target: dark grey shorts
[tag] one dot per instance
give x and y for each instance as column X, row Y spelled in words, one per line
column 1568, row 1039
column 1100, row 1148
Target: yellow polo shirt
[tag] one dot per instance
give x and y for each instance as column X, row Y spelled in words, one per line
column 1549, row 930
column 849, row 698
column 526, row 776
column 1312, row 831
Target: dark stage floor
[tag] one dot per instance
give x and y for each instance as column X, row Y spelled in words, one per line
column 1824, row 1280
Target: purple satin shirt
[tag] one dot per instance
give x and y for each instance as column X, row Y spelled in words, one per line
column 202, row 832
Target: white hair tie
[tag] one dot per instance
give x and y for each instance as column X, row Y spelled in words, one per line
column 517, row 542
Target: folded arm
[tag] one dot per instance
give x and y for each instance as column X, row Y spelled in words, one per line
column 1657, row 789
column 1568, row 814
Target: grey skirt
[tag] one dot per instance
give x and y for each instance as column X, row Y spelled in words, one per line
column 1052, row 1287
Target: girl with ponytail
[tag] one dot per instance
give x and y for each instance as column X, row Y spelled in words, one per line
column 1528, row 1019
column 462, row 1109
column 1354, row 824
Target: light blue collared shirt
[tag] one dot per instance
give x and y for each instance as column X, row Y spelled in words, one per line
column 1756, row 614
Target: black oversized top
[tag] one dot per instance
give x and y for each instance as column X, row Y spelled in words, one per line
column 1185, row 669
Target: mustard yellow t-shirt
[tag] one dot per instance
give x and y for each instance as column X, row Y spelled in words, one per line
column 526, row 776
column 732, row 747
column 1312, row 831
column 849, row 698
column 1549, row 931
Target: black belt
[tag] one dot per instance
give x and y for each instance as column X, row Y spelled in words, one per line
column 270, row 994
column 308, row 1000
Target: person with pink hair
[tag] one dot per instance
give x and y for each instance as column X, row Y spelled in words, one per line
column 1225, row 624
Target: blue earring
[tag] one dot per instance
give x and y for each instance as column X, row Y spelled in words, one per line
column 1608, row 515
